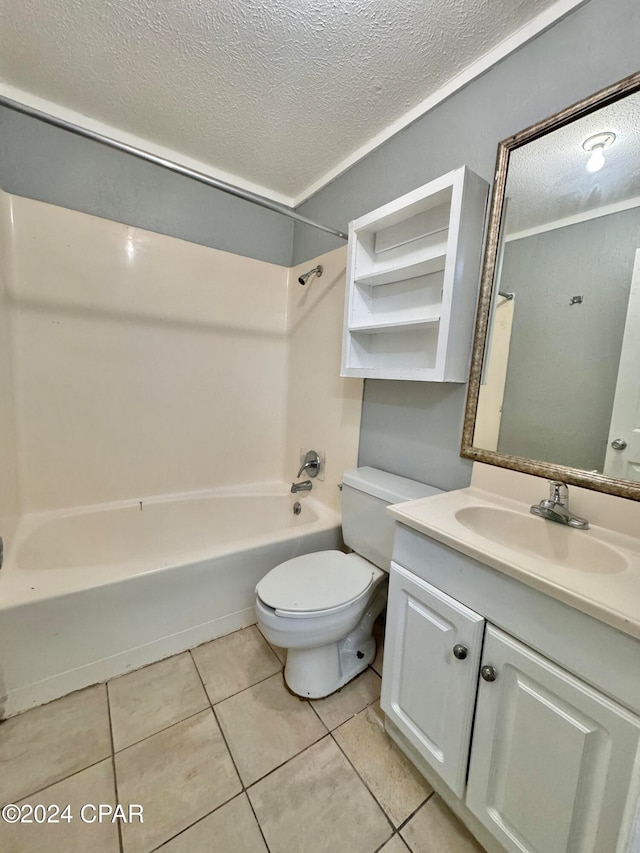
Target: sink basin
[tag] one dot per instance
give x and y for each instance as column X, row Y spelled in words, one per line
column 545, row 540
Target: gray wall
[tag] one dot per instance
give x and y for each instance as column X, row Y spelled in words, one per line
column 42, row 162
column 563, row 359
column 415, row 430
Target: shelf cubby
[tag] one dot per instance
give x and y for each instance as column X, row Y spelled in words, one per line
column 401, row 302
column 412, row 280
column 396, row 350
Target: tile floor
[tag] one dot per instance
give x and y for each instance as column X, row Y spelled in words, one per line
column 222, row 758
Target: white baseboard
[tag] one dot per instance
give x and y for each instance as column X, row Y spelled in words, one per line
column 48, row 689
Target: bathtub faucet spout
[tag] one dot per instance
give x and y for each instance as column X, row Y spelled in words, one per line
column 304, row 486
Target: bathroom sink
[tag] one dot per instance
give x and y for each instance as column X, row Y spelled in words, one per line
column 545, row 540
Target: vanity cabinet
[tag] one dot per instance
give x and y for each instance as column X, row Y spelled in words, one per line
column 526, row 749
column 552, row 760
column 433, row 646
column 412, row 279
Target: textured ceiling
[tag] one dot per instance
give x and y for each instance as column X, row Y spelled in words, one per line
column 548, row 179
column 277, row 92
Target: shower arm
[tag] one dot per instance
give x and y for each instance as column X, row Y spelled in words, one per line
column 163, row 162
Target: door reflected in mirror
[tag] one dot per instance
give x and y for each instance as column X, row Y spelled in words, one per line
column 555, row 382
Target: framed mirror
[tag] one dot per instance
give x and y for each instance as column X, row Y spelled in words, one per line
column 554, row 388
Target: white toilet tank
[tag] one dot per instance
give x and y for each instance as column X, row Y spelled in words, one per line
column 366, row 527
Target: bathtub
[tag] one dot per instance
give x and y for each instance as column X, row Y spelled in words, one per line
column 90, row 593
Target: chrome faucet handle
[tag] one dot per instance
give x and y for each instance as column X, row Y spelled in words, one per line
column 578, row 523
column 311, row 464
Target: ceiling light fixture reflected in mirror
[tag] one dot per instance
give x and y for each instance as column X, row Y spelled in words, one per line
column 595, row 146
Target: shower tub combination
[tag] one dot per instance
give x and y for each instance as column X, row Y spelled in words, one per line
column 91, row 593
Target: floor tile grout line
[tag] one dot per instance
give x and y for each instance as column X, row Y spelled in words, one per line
column 313, row 708
column 364, row 782
column 245, row 788
column 221, row 637
column 273, row 648
column 384, row 844
column 286, row 761
column 257, row 820
column 228, row 748
column 311, row 702
column 396, row 834
column 368, row 705
column 198, row 820
column 201, row 680
column 244, row 689
column 329, row 734
column 160, row 731
column 57, row 781
column 222, row 734
column 268, row 644
column 210, row 706
column 415, row 811
column 189, row 716
column 202, row 710
column 113, row 764
column 238, row 692
column 277, row 767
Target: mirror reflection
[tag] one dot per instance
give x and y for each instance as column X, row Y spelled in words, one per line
column 561, row 373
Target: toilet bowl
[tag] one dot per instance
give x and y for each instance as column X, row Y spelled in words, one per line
column 321, row 607
column 330, row 643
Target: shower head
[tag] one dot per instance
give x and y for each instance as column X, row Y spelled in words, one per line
column 303, row 279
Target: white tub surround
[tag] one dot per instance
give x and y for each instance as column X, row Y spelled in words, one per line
column 89, row 594
column 128, row 347
column 323, row 408
column 136, row 367
column 142, row 364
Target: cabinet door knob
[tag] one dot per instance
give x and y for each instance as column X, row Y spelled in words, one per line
column 459, row 651
column 488, row 673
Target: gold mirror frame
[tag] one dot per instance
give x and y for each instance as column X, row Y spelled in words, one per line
column 574, row 476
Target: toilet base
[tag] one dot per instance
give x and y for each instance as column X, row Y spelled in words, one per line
column 316, row 673
column 320, row 671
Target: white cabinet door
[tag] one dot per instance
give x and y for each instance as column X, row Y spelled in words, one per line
column 552, row 760
column 427, row 691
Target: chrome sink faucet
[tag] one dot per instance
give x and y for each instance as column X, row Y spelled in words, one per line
column 556, row 507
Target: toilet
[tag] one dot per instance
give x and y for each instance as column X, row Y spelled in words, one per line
column 321, row 607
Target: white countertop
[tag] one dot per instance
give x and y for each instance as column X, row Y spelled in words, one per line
column 612, row 596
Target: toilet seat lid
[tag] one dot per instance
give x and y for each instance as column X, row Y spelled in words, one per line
column 315, row 583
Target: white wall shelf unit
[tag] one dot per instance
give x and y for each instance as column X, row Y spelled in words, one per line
column 412, row 282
